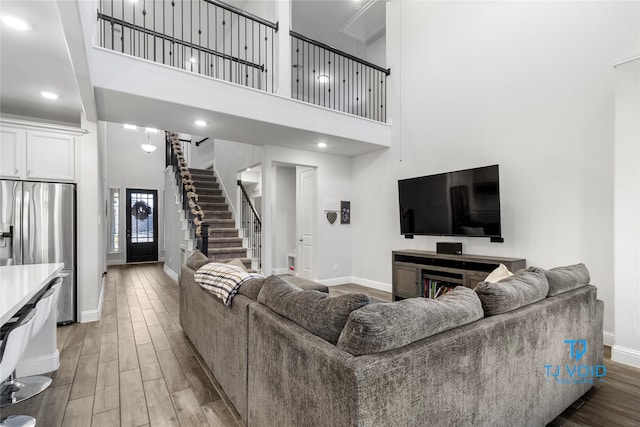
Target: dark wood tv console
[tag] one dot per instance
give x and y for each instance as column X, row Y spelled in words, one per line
column 422, row 273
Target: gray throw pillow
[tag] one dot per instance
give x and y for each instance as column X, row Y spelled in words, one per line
column 251, row 288
column 523, row 288
column 197, row 260
column 315, row 311
column 563, row 279
column 385, row 326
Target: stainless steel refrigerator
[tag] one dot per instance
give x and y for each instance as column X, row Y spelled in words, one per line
column 38, row 226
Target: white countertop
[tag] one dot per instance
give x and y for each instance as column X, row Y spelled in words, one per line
column 20, row 283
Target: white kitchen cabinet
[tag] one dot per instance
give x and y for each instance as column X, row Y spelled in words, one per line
column 12, row 153
column 50, row 156
column 38, row 152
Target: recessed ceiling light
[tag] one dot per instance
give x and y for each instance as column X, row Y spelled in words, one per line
column 193, row 60
column 130, row 127
column 48, row 95
column 322, row 144
column 323, row 78
column 14, row 22
column 151, row 130
column 248, row 169
column 200, row 123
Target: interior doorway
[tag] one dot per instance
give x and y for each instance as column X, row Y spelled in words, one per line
column 305, row 223
column 142, row 225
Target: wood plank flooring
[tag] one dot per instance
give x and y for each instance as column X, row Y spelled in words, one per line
column 135, row 367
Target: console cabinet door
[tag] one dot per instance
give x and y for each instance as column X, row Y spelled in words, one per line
column 407, row 281
column 50, row 156
column 12, row 147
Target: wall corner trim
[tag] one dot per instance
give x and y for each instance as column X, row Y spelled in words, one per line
column 628, row 356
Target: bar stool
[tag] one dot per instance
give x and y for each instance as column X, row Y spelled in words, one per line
column 26, row 387
column 12, row 348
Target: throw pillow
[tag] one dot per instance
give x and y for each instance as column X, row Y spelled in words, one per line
column 238, row 263
column 563, row 279
column 502, row 272
column 197, row 260
column 385, row 326
column 523, row 288
column 315, row 311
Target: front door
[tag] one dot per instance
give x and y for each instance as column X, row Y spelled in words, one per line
column 142, row 225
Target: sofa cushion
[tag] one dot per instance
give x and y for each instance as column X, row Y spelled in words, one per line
column 563, row 279
column 523, row 288
column 238, row 263
column 315, row 311
column 385, row 326
column 197, row 260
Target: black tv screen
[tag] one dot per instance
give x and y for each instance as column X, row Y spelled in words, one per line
column 460, row 203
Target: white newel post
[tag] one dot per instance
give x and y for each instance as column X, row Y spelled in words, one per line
column 283, row 12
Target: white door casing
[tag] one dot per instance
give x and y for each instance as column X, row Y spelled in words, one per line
column 305, row 207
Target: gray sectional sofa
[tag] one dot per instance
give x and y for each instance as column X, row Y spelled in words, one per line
column 289, row 357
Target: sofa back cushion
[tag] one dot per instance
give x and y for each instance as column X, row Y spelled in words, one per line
column 523, row 288
column 380, row 327
column 564, row 279
column 197, row 260
column 315, row 311
column 251, row 288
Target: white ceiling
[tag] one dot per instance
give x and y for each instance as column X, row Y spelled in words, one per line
column 38, row 59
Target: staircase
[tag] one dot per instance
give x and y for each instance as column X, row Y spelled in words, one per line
column 224, row 241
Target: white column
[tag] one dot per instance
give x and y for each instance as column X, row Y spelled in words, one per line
column 627, row 215
column 283, row 12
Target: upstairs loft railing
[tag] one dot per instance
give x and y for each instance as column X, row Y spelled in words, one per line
column 326, row 76
column 252, row 225
column 198, row 229
column 202, row 36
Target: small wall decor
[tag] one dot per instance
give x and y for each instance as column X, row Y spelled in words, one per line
column 345, row 212
column 332, row 216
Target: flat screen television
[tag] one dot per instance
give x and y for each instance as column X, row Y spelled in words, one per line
column 460, row 203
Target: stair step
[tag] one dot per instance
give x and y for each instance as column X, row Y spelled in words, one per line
column 225, row 242
column 220, row 223
column 213, row 191
column 208, row 206
column 201, row 171
column 210, row 199
column 227, row 253
column 216, row 214
column 205, row 180
column 216, row 233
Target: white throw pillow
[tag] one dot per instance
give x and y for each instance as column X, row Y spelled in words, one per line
column 498, row 274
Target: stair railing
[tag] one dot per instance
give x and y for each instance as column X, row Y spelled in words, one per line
column 202, row 36
column 199, row 229
column 325, row 76
column 250, row 221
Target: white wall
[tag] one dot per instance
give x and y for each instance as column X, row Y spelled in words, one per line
column 332, row 245
column 131, row 167
column 200, row 157
column 527, row 85
column 229, row 159
column 284, row 218
column 627, row 214
column 377, row 51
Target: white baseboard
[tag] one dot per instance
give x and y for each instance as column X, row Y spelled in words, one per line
column 357, row 280
column 608, row 338
column 87, row 316
column 336, row 281
column 38, row 365
column 628, row 356
column 278, row 271
column 386, row 287
column 169, row 272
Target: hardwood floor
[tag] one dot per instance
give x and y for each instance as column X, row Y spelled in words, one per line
column 135, row 367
